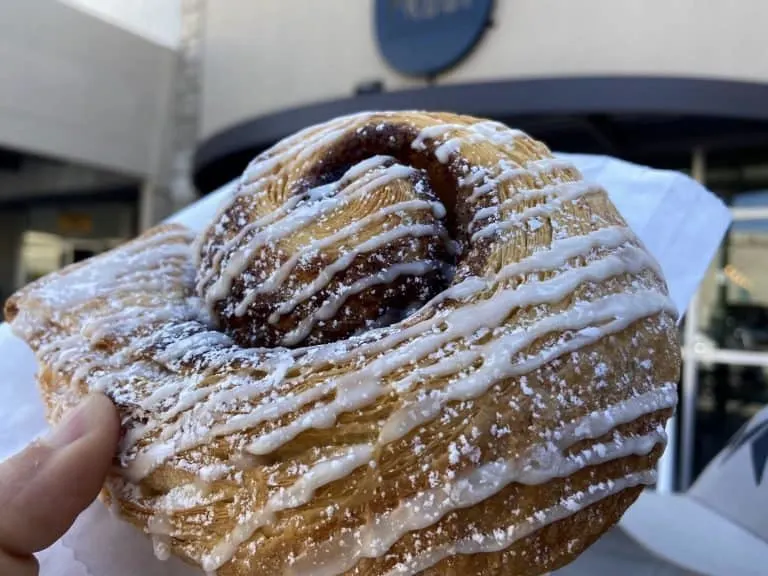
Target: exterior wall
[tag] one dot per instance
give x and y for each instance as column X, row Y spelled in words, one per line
column 75, row 87
column 156, row 20
column 261, row 57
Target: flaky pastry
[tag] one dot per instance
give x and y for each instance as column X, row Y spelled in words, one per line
column 407, row 343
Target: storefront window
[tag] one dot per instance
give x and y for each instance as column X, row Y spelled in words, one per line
column 43, row 253
column 731, row 338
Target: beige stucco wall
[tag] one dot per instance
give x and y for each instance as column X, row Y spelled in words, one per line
column 75, row 87
column 260, row 57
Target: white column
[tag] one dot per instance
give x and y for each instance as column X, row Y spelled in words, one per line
column 665, row 469
column 690, row 388
column 186, row 107
column 169, row 186
column 686, row 412
column 147, row 198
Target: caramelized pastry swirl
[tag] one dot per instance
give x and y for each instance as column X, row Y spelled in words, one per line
column 319, row 256
column 276, row 423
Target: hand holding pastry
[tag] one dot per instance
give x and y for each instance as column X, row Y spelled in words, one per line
column 407, row 343
column 46, row 486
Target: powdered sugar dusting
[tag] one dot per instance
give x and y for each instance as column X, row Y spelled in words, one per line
column 140, row 324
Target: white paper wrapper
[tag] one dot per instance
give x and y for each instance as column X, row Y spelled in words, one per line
column 680, row 222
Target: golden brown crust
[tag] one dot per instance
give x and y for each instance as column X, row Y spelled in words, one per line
column 499, row 429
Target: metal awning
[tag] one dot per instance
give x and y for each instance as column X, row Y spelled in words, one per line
column 648, row 120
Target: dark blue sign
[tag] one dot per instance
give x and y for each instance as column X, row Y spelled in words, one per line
column 424, row 37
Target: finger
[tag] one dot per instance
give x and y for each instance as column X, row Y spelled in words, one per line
column 46, row 486
column 16, row 566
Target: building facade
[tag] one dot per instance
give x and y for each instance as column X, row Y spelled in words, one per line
column 85, row 126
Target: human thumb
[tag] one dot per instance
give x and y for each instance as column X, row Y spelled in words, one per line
column 45, row 487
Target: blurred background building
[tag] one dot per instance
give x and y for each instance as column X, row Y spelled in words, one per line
column 115, row 113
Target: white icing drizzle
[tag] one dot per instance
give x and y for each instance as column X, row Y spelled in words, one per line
column 281, row 274
column 83, row 370
column 257, row 174
column 488, row 313
column 160, row 524
column 554, row 257
column 356, row 389
column 497, row 133
column 476, row 174
column 235, row 241
column 107, row 275
column 67, row 348
column 195, row 424
column 450, row 147
column 544, row 260
column 542, row 464
column 325, row 275
column 331, row 306
column 361, row 387
column 298, row 494
column 503, row 538
column 301, row 143
column 509, row 171
column 566, row 192
column 547, row 193
column 492, row 184
column 190, row 407
column 359, row 169
column 565, row 249
column 498, row 357
column 487, row 130
column 293, row 221
column 434, row 131
column 161, row 546
column 201, row 340
column 324, row 141
column 129, row 319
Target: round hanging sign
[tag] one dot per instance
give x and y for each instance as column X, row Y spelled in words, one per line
column 424, row 37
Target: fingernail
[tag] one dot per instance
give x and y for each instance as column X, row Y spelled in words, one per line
column 71, row 427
